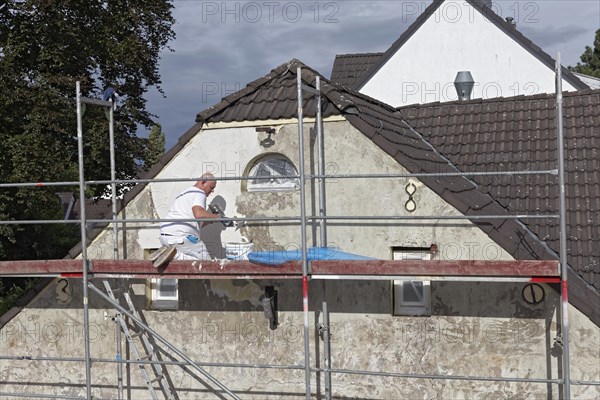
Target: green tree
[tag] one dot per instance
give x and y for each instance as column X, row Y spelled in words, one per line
column 590, row 59
column 45, row 47
column 156, row 146
column 12, row 290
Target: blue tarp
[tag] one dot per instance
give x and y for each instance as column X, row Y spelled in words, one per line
column 313, row 253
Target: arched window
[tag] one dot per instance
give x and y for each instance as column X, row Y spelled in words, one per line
column 271, row 173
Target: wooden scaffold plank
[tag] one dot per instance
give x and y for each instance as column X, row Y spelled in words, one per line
column 514, row 270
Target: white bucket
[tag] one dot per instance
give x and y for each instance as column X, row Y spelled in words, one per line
column 238, row 250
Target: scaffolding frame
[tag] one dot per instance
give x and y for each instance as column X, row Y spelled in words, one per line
column 315, row 270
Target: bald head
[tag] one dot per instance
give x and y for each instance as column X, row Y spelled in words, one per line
column 206, row 183
column 206, row 176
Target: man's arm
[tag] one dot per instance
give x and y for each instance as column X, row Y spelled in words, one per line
column 200, row 212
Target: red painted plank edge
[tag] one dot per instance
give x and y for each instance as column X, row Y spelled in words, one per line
column 231, row 269
column 438, row 268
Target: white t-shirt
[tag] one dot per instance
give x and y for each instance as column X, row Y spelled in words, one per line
column 182, row 209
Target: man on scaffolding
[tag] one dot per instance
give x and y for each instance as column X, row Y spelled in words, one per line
column 182, row 240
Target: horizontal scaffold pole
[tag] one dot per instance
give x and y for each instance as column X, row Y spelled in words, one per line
column 318, row 176
column 291, row 219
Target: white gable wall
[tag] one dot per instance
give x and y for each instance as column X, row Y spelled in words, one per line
column 459, row 38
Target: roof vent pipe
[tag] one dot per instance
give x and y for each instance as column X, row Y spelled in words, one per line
column 464, row 85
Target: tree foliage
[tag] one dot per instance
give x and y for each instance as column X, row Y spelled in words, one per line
column 590, row 59
column 156, row 146
column 12, row 289
column 45, row 48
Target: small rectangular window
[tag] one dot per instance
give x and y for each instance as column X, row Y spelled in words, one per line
column 161, row 294
column 164, row 294
column 411, row 297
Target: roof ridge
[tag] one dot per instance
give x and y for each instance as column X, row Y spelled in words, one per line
column 492, row 100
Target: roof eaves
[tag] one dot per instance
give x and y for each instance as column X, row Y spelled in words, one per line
column 583, row 290
column 492, row 100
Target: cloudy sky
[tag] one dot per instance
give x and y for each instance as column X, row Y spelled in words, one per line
column 222, row 45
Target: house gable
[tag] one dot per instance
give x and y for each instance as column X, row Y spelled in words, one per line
column 421, row 66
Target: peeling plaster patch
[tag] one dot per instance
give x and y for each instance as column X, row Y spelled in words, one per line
column 252, row 203
column 247, row 291
column 260, row 235
column 150, row 204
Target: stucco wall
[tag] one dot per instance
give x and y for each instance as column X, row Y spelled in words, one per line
column 476, row 329
column 458, row 38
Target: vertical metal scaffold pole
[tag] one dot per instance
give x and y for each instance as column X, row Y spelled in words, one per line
column 321, row 167
column 564, row 285
column 303, row 233
column 327, row 351
column 86, row 317
column 113, row 178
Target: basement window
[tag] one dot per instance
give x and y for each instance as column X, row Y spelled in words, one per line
column 164, row 294
column 161, row 294
column 411, row 298
column 272, row 173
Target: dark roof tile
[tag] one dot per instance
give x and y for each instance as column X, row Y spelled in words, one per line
column 348, row 68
